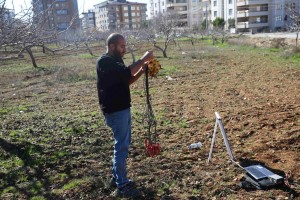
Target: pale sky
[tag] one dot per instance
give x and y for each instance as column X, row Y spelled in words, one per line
column 83, row 5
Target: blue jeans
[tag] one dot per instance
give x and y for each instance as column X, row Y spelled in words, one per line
column 120, row 123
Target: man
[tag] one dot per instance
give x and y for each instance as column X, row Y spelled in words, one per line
column 113, row 80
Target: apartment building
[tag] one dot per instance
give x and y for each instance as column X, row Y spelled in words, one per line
column 263, row 15
column 181, row 8
column 243, row 15
column 56, row 14
column 117, row 14
column 157, row 7
column 88, row 21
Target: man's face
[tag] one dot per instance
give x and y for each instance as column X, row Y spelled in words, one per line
column 119, row 49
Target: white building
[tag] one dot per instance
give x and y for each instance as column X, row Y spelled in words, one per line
column 88, row 20
column 244, row 15
column 264, row 15
column 157, row 7
column 119, row 14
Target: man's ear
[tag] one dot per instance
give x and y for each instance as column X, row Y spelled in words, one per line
column 111, row 47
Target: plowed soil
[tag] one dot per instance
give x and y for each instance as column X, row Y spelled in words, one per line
column 255, row 91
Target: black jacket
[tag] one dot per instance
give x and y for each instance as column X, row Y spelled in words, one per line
column 113, row 84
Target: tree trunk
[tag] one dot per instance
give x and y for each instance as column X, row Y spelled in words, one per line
column 28, row 49
column 132, row 54
column 164, row 51
column 297, row 39
column 88, row 48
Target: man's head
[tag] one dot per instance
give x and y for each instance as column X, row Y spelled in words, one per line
column 116, row 45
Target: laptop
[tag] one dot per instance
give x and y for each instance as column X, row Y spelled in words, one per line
column 259, row 172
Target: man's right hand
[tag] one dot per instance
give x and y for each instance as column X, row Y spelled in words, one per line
column 147, row 56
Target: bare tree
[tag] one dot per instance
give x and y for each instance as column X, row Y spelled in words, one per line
column 25, row 30
column 164, row 27
column 293, row 19
column 133, row 40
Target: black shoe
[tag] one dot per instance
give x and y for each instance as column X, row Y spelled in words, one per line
column 128, row 191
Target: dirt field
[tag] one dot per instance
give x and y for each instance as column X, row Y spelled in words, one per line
column 54, row 144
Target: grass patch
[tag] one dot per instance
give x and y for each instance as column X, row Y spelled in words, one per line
column 38, row 198
column 36, row 187
column 74, row 183
column 10, row 189
column 86, row 55
column 167, row 70
column 295, row 58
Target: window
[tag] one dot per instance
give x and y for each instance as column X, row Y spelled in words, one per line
column 155, row 5
column 279, row 6
column 163, row 3
column 230, row 12
column 230, row 2
column 133, row 14
column 62, row 12
column 278, row 18
column 215, row 13
column 57, row 5
column 293, row 5
column 125, row 8
column 63, row 25
column 215, row 3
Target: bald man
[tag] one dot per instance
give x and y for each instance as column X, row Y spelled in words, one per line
column 113, row 81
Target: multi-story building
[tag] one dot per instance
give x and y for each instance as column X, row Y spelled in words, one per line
column 157, row 7
column 180, row 8
column 263, row 15
column 253, row 16
column 244, row 15
column 88, row 21
column 56, row 14
column 117, row 14
column 225, row 9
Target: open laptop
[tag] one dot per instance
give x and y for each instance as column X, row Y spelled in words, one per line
column 259, row 172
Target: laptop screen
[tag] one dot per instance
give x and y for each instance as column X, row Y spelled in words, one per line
column 258, row 171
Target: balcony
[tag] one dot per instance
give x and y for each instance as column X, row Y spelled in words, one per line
column 243, row 25
column 251, row 2
column 247, row 13
column 170, row 4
